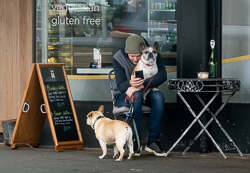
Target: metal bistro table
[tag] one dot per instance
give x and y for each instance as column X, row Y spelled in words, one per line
column 225, row 86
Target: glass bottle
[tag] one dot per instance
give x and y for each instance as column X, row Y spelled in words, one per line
column 170, row 4
column 166, row 5
column 212, row 64
column 174, row 4
column 152, row 4
column 163, row 5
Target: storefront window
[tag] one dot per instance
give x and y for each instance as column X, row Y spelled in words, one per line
column 70, row 31
column 235, row 45
column 85, row 34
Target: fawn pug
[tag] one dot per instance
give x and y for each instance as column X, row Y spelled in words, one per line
column 111, row 132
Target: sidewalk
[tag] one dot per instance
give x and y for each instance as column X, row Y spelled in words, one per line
column 46, row 160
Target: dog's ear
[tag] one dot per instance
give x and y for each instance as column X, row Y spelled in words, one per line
column 156, row 46
column 90, row 114
column 142, row 46
column 101, row 109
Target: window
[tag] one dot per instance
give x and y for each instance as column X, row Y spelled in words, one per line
column 70, row 31
column 235, row 45
column 85, row 34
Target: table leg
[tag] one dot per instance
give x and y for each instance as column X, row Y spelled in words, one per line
column 208, row 123
column 203, row 127
column 217, row 121
column 192, row 123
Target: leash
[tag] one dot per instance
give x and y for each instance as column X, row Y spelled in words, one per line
column 129, row 115
column 131, row 100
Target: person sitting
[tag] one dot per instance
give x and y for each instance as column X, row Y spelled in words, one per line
column 124, row 62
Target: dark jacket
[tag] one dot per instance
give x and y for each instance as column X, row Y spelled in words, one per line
column 123, row 69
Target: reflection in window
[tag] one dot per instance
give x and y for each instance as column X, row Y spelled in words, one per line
column 68, row 31
column 235, row 45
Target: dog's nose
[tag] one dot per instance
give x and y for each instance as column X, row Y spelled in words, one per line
column 150, row 55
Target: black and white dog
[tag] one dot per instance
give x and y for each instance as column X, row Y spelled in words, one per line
column 147, row 63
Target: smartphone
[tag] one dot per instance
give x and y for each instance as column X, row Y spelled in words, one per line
column 139, row 74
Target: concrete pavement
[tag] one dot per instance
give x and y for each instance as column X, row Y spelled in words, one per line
column 46, row 160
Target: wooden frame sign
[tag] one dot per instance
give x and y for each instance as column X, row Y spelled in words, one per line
column 48, row 93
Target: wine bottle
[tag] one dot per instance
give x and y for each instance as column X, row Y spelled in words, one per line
column 212, row 62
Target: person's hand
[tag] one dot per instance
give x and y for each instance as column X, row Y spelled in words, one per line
column 130, row 91
column 136, row 82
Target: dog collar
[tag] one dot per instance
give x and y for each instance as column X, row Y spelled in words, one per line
column 96, row 120
column 146, row 64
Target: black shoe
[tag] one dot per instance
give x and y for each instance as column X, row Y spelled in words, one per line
column 155, row 148
column 137, row 151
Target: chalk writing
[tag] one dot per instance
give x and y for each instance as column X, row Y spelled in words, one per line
column 59, row 103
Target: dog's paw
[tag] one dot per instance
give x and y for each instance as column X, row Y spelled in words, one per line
column 118, row 160
column 101, row 157
column 130, row 157
column 116, row 156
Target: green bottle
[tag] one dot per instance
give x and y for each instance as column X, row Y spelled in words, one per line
column 212, row 62
column 166, row 5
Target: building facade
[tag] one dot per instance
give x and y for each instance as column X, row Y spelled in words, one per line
column 84, row 35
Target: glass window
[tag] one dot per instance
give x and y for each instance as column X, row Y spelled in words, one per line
column 235, row 45
column 70, row 31
column 85, row 34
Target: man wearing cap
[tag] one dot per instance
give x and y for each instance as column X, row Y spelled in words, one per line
column 124, row 62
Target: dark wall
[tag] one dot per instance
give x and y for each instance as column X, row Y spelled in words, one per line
column 199, row 21
column 172, row 125
column 175, row 121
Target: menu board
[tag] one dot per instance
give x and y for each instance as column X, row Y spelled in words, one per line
column 59, row 103
column 47, row 94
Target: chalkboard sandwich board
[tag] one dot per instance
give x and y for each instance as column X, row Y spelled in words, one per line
column 56, row 102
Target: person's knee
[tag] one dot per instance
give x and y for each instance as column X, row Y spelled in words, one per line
column 121, row 101
column 138, row 97
column 158, row 97
column 138, row 94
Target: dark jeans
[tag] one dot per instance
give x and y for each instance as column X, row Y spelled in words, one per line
column 155, row 100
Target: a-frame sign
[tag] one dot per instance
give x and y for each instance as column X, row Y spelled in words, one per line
column 47, row 94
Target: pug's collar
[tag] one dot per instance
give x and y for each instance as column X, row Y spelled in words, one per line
column 146, row 63
column 96, row 120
